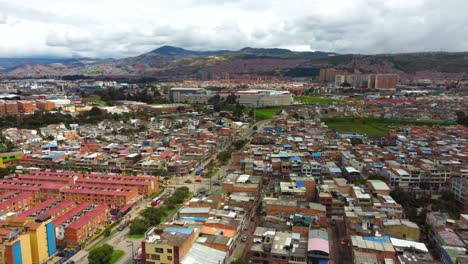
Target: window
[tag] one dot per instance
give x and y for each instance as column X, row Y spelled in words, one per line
column 159, row 250
column 157, row 257
column 169, row 257
column 169, row 250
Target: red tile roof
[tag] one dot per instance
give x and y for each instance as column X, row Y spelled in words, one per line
column 38, row 207
column 55, row 210
column 17, row 198
column 62, row 219
column 88, row 217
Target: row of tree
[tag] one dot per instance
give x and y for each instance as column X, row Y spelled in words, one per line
column 152, row 216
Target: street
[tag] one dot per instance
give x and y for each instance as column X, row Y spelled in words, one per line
column 340, row 254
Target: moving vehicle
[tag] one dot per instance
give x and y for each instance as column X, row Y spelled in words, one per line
column 156, row 201
column 198, row 180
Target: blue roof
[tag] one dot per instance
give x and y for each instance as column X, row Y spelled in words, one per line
column 195, row 218
column 56, row 155
column 186, row 231
column 323, row 261
column 90, row 86
column 378, row 165
column 378, row 239
column 287, row 145
column 316, row 154
column 279, row 129
column 283, row 154
column 300, row 184
column 267, row 129
column 295, row 158
column 335, row 170
column 411, row 149
column 427, row 152
column 49, row 146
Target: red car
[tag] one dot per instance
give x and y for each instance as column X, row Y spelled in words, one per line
column 198, row 180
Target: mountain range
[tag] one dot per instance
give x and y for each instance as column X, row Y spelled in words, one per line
column 170, row 63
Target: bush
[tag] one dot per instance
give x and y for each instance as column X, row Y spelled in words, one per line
column 101, row 255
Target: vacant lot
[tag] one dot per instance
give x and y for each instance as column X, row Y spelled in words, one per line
column 315, row 100
column 373, row 127
column 267, row 113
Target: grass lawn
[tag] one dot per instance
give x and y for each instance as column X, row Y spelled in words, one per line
column 373, row 127
column 116, row 255
column 315, row 100
column 136, row 236
column 96, row 100
column 267, row 113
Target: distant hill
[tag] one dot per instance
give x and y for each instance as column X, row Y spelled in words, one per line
column 168, row 62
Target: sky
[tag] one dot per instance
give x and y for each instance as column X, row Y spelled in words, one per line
column 122, row 28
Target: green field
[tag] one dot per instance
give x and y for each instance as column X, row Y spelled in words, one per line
column 96, row 100
column 315, row 100
column 116, row 255
column 267, row 113
column 373, row 127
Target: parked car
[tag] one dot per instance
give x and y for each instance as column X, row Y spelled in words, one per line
column 244, row 239
column 198, row 180
column 188, row 181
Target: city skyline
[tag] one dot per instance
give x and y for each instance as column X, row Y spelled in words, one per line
column 120, row 29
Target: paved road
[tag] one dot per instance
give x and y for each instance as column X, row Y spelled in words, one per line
column 341, row 254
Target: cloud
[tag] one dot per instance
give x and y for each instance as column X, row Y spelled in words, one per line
column 3, row 18
column 120, row 28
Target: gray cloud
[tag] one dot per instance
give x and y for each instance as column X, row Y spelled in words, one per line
column 3, row 18
column 128, row 28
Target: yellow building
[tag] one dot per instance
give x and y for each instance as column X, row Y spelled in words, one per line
column 403, row 229
column 169, row 245
column 27, row 240
column 14, row 247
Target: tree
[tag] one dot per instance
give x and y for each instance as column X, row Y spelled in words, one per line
column 161, row 172
column 181, row 108
column 231, row 99
column 139, row 226
column 153, row 215
column 462, row 118
column 224, row 156
column 101, row 255
column 96, row 112
column 4, row 172
column 107, row 232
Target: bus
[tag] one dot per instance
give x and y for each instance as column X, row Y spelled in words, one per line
column 156, row 201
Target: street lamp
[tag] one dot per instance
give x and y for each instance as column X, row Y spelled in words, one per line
column 130, row 244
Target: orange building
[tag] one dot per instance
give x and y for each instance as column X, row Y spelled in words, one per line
column 80, row 223
column 146, row 185
column 383, row 81
column 113, row 195
column 26, row 107
column 279, row 207
column 11, row 108
column 51, row 207
column 15, row 202
column 45, row 105
column 2, row 107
